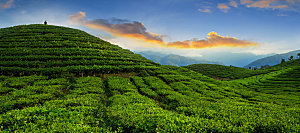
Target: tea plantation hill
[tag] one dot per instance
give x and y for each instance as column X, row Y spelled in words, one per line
column 282, row 78
column 221, row 72
column 58, row 79
column 51, row 50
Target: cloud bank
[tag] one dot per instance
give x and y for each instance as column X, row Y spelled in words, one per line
column 273, row 4
column 118, row 27
column 289, row 5
column 223, row 7
column 212, row 40
column 137, row 30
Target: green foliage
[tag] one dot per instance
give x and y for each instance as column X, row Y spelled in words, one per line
column 52, row 50
column 224, row 72
column 143, row 88
column 79, row 83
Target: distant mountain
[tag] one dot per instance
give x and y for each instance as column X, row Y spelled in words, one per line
column 172, row 59
column 222, row 58
column 234, row 59
column 273, row 60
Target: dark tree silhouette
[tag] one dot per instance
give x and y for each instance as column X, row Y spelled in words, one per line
column 291, row 58
column 255, row 68
column 298, row 55
column 45, row 23
column 282, row 60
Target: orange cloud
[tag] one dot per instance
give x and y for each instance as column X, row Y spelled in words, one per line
column 118, row 27
column 292, row 1
column 233, row 3
column 178, row 44
column 6, row 4
column 137, row 30
column 204, row 10
column 264, row 4
column 212, row 40
column 77, row 17
column 223, row 7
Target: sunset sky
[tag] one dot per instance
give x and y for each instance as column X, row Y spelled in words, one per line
column 184, row 27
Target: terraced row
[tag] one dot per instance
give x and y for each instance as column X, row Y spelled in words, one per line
column 50, row 50
column 137, row 104
column 221, row 72
column 285, row 82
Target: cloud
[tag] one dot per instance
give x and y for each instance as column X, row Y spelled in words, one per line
column 290, row 1
column 137, row 30
column 233, row 3
column 273, row 4
column 6, row 4
column 78, row 17
column 293, row 1
column 223, row 7
column 212, row 40
column 118, row 27
column 204, row 10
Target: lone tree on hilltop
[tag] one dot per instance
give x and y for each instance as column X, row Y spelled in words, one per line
column 282, row 60
column 298, row 55
column 45, row 23
column 291, row 58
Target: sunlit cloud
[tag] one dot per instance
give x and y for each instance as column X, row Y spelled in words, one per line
column 223, row 7
column 287, row 5
column 211, row 41
column 4, row 4
column 78, row 17
column 137, row 30
column 291, row 1
column 233, row 3
column 118, row 27
column 272, row 4
column 204, row 10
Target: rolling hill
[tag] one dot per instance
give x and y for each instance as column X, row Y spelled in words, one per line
column 58, row 79
column 273, row 60
column 221, row 72
column 50, row 50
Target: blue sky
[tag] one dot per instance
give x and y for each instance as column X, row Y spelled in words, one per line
column 171, row 26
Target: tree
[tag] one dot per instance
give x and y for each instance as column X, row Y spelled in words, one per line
column 291, row 58
column 282, row 60
column 255, row 68
column 298, row 55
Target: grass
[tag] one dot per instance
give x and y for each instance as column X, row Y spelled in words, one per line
column 95, row 86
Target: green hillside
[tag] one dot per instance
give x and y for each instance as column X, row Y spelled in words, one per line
column 58, row 79
column 221, row 72
column 282, row 79
column 51, row 50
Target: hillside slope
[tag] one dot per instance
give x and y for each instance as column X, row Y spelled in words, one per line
column 57, row 79
column 221, row 72
column 282, row 79
column 273, row 60
column 35, row 49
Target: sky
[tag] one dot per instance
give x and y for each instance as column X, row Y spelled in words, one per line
column 184, row 27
